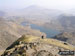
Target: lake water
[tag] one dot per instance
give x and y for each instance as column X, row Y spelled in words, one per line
column 48, row 32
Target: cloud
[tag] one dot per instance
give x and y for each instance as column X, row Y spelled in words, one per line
column 56, row 4
column 60, row 4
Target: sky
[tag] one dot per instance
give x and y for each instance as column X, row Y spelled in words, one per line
column 50, row 4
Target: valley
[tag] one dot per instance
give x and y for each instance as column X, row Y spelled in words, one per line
column 37, row 21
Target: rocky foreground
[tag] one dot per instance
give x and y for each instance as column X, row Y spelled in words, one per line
column 29, row 45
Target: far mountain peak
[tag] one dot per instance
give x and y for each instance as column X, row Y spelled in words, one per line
column 35, row 7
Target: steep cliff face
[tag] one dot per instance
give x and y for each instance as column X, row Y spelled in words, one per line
column 29, row 45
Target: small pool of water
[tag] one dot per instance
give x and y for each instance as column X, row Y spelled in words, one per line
column 48, row 32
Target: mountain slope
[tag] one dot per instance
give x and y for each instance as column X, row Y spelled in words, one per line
column 64, row 23
column 66, row 36
column 10, row 31
column 2, row 13
column 36, row 12
column 67, row 22
column 29, row 45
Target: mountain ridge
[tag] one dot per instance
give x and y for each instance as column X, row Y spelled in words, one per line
column 29, row 45
column 10, row 31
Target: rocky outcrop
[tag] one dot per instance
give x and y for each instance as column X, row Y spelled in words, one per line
column 29, row 45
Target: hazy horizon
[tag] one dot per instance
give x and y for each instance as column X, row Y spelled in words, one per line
column 49, row 4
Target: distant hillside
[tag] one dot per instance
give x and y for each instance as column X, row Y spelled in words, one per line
column 64, row 23
column 67, row 22
column 2, row 13
column 10, row 31
column 50, row 18
column 67, row 37
column 36, row 12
